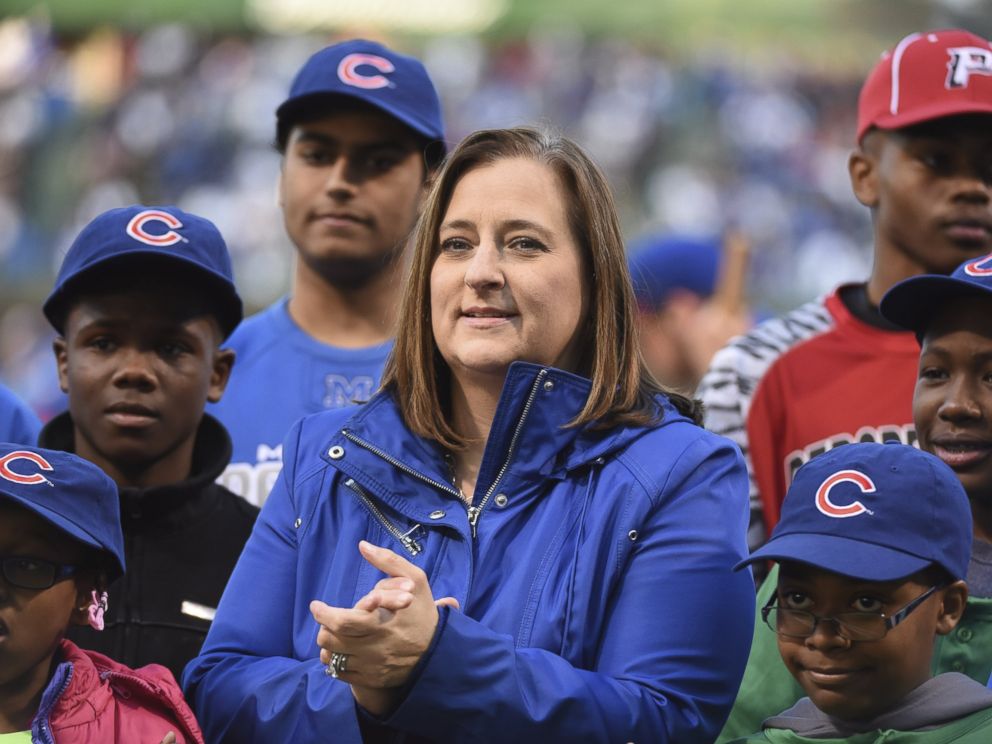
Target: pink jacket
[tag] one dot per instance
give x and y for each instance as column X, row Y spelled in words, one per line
column 91, row 698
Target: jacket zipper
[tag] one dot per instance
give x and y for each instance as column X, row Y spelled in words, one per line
column 45, row 725
column 474, row 512
column 396, row 463
column 406, row 539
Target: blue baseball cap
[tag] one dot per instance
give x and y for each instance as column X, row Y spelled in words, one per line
column 913, row 302
column 662, row 264
column 138, row 233
column 877, row 512
column 391, row 82
column 67, row 491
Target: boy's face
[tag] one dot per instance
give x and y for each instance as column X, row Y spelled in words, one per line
column 350, row 190
column 931, row 190
column 32, row 621
column 858, row 680
column 952, row 403
column 138, row 371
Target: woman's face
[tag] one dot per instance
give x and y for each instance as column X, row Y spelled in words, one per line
column 509, row 282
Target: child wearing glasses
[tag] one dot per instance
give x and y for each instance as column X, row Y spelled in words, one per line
column 60, row 544
column 872, row 547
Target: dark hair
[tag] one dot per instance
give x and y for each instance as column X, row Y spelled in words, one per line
column 935, row 575
column 623, row 390
column 321, row 105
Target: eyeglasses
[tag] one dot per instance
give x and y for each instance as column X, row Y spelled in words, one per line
column 851, row 626
column 33, row 573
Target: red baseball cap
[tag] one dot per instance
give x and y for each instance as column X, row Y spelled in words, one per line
column 927, row 76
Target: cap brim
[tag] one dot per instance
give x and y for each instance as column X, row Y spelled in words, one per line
column 70, row 528
column 923, row 114
column 228, row 303
column 840, row 555
column 912, row 303
column 292, row 108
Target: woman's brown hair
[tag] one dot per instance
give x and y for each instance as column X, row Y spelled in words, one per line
column 623, row 391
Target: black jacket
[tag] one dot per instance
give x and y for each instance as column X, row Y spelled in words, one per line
column 181, row 543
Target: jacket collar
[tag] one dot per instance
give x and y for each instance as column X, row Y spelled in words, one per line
column 159, row 506
column 85, row 682
column 529, row 434
column 72, row 691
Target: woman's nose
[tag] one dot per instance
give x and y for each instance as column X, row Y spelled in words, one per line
column 484, row 270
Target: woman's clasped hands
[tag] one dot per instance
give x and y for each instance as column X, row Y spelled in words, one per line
column 375, row 645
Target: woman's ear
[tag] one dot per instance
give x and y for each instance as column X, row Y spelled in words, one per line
column 952, row 603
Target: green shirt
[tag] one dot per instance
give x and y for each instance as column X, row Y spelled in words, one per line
column 768, row 689
column 973, row 729
column 16, row 737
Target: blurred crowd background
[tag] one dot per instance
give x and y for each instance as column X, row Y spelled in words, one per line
column 706, row 114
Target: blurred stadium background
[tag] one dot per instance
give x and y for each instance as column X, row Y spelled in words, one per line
column 706, row 114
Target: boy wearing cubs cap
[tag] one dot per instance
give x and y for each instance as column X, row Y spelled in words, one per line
column 360, row 134
column 60, row 542
column 872, row 547
column 142, row 302
column 835, row 371
column 952, row 406
column 951, row 316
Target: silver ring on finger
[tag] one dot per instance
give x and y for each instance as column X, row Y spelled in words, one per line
column 338, row 665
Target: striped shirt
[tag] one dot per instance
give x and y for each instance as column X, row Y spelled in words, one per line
column 801, row 384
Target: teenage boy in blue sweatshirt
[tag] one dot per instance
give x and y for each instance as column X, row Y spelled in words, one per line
column 360, row 135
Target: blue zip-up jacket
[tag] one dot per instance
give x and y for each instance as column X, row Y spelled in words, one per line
column 594, row 573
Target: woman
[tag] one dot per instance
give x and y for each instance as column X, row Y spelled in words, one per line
column 557, row 535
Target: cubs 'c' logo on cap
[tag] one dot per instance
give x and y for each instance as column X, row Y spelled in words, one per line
column 136, row 228
column 979, row 267
column 965, row 62
column 829, row 508
column 30, row 479
column 349, row 73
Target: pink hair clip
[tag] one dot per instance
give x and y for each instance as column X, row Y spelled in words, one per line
column 98, row 606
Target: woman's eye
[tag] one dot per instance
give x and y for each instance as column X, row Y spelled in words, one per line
column 528, row 244
column 455, row 245
column 932, row 373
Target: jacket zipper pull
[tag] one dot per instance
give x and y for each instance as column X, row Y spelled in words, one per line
column 473, row 519
column 409, row 539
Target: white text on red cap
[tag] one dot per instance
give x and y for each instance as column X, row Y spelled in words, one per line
column 965, row 62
